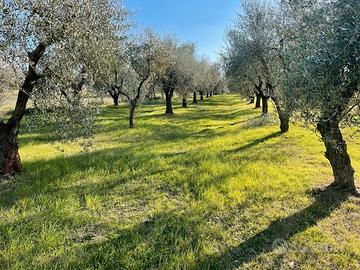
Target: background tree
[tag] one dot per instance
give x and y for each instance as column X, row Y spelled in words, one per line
column 31, row 32
column 138, row 70
column 253, row 53
column 185, row 71
column 166, row 76
column 217, row 82
column 202, row 78
column 109, row 79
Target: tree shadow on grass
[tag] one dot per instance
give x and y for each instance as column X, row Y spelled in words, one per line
column 279, row 231
column 51, row 177
column 255, row 143
column 170, row 240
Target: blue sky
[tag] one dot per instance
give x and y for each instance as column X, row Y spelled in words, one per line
column 201, row 21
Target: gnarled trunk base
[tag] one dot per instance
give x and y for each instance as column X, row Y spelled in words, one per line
column 336, row 153
column 10, row 162
column 284, row 123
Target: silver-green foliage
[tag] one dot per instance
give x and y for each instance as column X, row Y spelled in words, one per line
column 72, row 33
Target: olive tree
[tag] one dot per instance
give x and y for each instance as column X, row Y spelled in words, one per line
column 216, row 80
column 253, row 53
column 174, row 68
column 202, row 78
column 323, row 49
column 242, row 68
column 109, row 78
column 138, row 70
column 33, row 34
column 185, row 71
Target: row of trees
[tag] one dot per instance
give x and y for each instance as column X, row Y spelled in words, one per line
column 304, row 56
column 66, row 55
column 149, row 64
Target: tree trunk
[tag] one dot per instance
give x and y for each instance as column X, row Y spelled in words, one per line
column 10, row 162
column 258, row 101
column 283, row 116
column 184, row 102
column 211, row 94
column 336, row 153
column 169, row 109
column 201, row 95
column 207, row 94
column 284, row 122
column 116, row 100
column 251, row 100
column 194, row 98
column 265, row 107
column 132, row 116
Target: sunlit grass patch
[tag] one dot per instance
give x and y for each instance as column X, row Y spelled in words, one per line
column 202, row 189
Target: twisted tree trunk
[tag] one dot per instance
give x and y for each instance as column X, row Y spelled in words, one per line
column 283, row 116
column 115, row 96
column 336, row 153
column 10, row 162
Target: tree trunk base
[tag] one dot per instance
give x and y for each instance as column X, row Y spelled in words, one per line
column 10, row 162
column 336, row 153
column 284, row 124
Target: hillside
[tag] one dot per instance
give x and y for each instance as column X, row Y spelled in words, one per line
column 207, row 188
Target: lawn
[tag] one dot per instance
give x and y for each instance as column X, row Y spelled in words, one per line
column 212, row 187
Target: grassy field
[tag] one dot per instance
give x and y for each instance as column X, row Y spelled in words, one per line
column 207, row 188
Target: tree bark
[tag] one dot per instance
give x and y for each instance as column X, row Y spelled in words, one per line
column 115, row 97
column 201, row 95
column 207, row 94
column 10, row 162
column 184, row 102
column 284, row 122
column 195, row 98
column 211, row 94
column 336, row 153
column 283, row 116
column 265, row 104
column 168, row 96
column 132, row 116
column 116, row 100
column 251, row 100
column 258, row 101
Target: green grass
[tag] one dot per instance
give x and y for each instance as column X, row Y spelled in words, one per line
column 207, row 188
